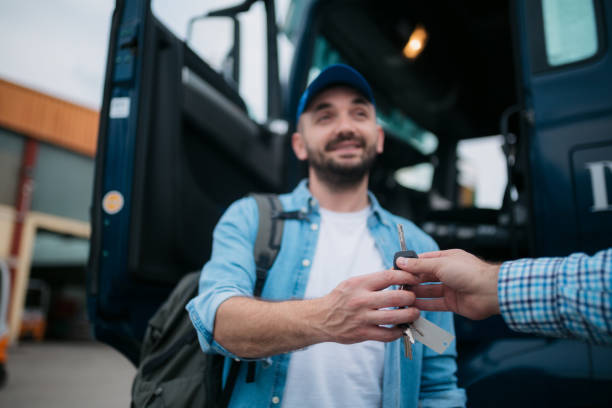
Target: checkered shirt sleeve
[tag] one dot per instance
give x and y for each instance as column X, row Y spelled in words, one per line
column 561, row 297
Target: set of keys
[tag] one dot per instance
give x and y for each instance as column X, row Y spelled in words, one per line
column 409, row 329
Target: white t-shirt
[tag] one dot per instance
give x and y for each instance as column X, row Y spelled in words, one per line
column 333, row 374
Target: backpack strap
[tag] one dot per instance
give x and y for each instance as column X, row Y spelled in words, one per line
column 269, row 236
column 266, row 248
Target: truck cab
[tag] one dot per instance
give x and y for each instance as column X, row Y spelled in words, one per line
column 199, row 106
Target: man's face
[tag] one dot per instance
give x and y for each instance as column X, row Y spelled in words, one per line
column 339, row 137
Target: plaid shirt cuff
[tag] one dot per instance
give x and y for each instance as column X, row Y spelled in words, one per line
column 568, row 297
column 527, row 296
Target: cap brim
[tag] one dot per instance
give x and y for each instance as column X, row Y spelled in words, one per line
column 338, row 74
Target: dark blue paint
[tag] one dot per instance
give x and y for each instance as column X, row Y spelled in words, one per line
column 119, row 162
column 572, row 107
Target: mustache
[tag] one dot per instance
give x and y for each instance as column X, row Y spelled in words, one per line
column 344, row 137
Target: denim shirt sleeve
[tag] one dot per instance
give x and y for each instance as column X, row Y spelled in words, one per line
column 438, row 379
column 229, row 272
column 438, row 376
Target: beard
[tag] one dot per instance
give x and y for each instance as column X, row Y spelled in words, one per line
column 342, row 175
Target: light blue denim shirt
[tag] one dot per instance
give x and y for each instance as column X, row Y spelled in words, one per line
column 429, row 379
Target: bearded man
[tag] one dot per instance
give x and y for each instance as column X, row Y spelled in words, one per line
column 324, row 332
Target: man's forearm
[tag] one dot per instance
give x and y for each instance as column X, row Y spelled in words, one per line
column 358, row 309
column 252, row 328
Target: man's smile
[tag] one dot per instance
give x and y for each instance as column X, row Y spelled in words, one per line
column 345, row 146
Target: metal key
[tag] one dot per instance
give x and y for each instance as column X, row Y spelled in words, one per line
column 408, row 342
column 404, row 251
column 409, row 339
column 408, row 334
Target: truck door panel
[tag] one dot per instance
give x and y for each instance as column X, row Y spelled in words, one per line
column 569, row 106
column 184, row 151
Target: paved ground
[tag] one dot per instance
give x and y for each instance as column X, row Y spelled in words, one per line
column 66, row 375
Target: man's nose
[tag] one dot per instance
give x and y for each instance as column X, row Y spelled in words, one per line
column 346, row 124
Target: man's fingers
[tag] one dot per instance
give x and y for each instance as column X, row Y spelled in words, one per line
column 432, row 254
column 385, row 334
column 440, row 254
column 437, row 304
column 393, row 316
column 434, row 290
column 390, row 298
column 383, row 279
column 425, row 268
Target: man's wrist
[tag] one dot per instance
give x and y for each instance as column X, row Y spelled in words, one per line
column 316, row 315
column 493, row 274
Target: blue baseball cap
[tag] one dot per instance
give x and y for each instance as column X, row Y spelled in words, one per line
column 337, row 74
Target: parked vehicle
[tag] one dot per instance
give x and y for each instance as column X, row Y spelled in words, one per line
column 182, row 136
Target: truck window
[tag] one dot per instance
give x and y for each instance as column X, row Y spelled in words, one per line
column 417, row 177
column 570, row 31
column 252, row 86
column 481, row 172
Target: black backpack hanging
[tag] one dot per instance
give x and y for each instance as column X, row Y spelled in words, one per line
column 173, row 370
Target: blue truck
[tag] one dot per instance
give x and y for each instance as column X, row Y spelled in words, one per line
column 187, row 129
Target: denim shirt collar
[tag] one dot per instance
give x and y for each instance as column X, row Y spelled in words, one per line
column 307, row 204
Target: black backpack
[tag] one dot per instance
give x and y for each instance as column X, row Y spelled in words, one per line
column 173, row 370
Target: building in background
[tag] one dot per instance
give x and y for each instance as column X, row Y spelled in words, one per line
column 46, row 176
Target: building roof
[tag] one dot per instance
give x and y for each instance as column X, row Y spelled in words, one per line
column 49, row 119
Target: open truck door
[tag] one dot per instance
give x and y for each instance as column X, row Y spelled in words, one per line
column 565, row 67
column 176, row 146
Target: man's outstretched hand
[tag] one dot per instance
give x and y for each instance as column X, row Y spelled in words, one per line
column 467, row 285
column 358, row 309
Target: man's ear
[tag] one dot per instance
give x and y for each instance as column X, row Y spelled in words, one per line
column 299, row 148
column 380, row 140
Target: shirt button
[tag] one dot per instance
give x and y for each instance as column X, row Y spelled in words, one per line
column 306, row 262
column 314, row 227
column 275, row 400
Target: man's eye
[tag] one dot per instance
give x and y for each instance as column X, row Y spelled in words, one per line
column 323, row 117
column 361, row 113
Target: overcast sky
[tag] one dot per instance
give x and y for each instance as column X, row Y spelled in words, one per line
column 57, row 47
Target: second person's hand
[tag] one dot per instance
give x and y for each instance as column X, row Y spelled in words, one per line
column 464, row 284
